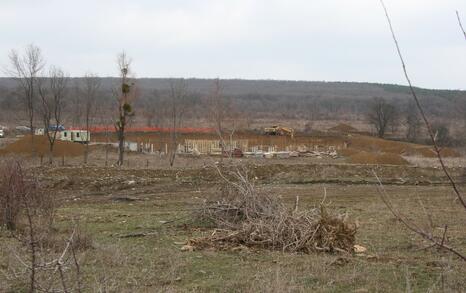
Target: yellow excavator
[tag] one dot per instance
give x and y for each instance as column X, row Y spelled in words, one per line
column 279, row 130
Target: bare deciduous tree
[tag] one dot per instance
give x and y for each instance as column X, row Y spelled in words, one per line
column 178, row 105
column 25, row 69
column 151, row 109
column 413, row 122
column 381, row 115
column 125, row 99
column 311, row 115
column 220, row 114
column 442, row 134
column 76, row 103
column 90, row 89
column 52, row 98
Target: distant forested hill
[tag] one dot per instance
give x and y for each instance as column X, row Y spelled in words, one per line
column 263, row 98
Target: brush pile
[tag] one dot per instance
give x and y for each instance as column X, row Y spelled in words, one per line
column 243, row 216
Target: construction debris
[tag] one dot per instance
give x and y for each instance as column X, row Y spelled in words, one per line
column 187, row 248
column 293, row 154
column 359, row 248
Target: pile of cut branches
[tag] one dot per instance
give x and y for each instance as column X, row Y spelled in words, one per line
column 244, row 216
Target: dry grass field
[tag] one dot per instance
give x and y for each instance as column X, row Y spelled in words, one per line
column 134, row 223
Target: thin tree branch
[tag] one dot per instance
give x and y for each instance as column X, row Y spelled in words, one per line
column 421, row 111
column 413, row 227
column 78, row 270
column 444, row 234
column 59, row 263
column 460, row 24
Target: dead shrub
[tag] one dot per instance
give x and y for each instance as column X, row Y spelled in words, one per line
column 49, row 258
column 10, row 186
column 20, row 195
column 53, row 239
column 82, row 240
column 243, row 216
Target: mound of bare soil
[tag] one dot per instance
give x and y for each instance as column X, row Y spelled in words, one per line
column 374, row 144
column 348, row 152
column 428, row 152
column 377, row 159
column 41, row 147
column 343, row 128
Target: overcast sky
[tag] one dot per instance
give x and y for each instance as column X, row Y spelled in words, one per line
column 331, row 40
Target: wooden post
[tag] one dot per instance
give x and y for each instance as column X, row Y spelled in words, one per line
column 41, row 159
column 63, row 160
column 147, row 163
column 106, row 155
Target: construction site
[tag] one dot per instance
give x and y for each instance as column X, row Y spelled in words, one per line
column 339, row 144
column 202, row 158
column 143, row 210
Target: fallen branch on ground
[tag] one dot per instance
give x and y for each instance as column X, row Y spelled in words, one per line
column 243, row 216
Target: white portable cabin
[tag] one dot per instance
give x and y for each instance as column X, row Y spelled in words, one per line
column 81, row 136
column 39, row 131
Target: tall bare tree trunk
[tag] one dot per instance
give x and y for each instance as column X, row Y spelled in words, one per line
column 125, row 109
column 121, row 145
column 89, row 94
column 174, row 143
column 52, row 98
column 220, row 114
column 178, row 106
column 50, row 155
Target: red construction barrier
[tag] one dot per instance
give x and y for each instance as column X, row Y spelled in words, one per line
column 111, row 128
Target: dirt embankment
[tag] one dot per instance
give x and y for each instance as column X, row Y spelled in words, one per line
column 40, row 146
column 110, row 180
column 343, row 128
column 356, row 148
column 377, row 159
column 374, row 144
column 371, row 150
column 364, row 149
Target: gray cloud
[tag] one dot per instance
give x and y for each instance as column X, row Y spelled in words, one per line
column 331, row 40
